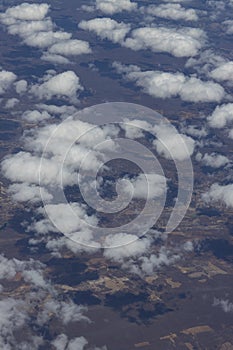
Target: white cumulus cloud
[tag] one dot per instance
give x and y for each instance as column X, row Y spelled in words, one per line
column 184, row 42
column 106, row 28
column 111, row 7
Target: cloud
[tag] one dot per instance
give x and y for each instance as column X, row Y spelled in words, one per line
column 173, row 146
column 11, row 103
column 26, row 28
column 66, row 311
column 194, row 131
column 62, row 343
column 205, row 62
column 229, row 26
column 63, row 111
column 106, row 28
column 166, row 85
column 171, row 11
column 6, row 80
column 225, row 305
column 146, row 186
column 177, row 1
column 224, row 72
column 218, row 193
column 168, row 143
column 35, row 116
column 21, row 86
column 64, row 84
column 26, row 12
column 70, row 48
column 13, row 317
column 213, row 160
column 55, row 59
column 111, row 7
column 129, row 246
column 45, row 39
column 24, row 167
column 184, row 42
column 221, row 116
column 164, row 257
column 28, row 193
column 29, row 21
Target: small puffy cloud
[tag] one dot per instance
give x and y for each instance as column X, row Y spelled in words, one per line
column 146, row 186
column 155, row 261
column 11, row 103
column 218, row 193
column 229, row 26
column 194, row 131
column 184, row 42
column 221, row 116
column 63, row 111
column 111, row 7
column 21, row 86
column 24, row 167
column 173, row 145
column 225, row 305
column 62, row 343
column 196, row 90
column 6, row 80
column 224, row 72
column 64, row 84
column 106, row 28
column 177, row 1
column 65, row 311
column 35, row 116
column 23, row 29
column 45, row 39
column 166, row 85
column 129, row 246
column 213, row 160
column 205, row 62
column 70, row 218
column 171, row 11
column 70, row 48
column 13, row 317
column 24, row 192
column 26, row 12
column 55, row 59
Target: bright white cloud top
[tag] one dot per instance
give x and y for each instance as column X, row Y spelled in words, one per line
column 166, row 85
column 31, row 23
column 184, row 42
column 106, row 28
column 111, row 7
column 171, row 11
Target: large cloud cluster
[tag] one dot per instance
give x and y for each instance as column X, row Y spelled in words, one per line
column 31, row 23
column 183, row 42
column 166, row 85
